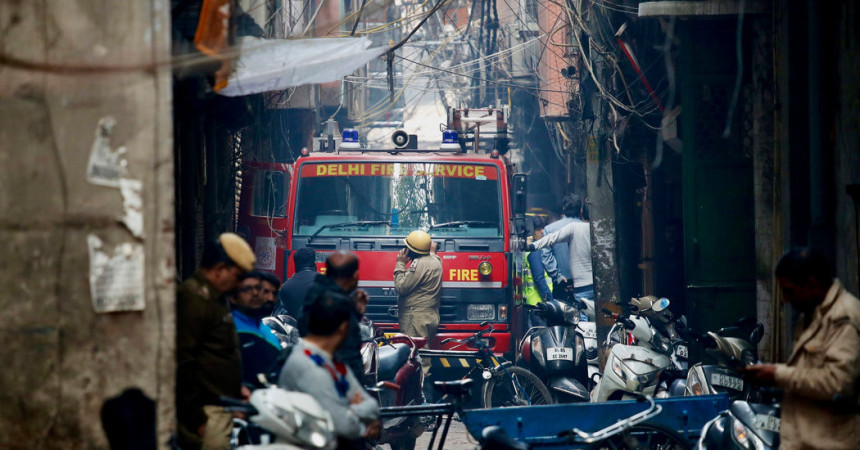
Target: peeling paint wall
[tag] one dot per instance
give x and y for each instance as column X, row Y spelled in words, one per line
column 65, row 66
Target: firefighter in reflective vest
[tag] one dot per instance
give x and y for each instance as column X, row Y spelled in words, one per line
column 537, row 283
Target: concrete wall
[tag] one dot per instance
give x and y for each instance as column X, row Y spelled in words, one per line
column 847, row 146
column 66, row 65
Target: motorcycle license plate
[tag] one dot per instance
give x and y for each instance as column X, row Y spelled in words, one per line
column 767, row 423
column 559, row 353
column 588, row 332
column 730, row 382
column 681, row 351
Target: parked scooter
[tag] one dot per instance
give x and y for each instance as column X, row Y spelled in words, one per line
column 556, row 353
column 393, row 374
column 646, row 345
column 284, row 420
column 285, row 328
column 731, row 353
column 744, row 426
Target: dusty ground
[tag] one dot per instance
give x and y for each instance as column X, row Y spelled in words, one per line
column 458, row 438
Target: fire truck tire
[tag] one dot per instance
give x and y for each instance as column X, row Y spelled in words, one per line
column 520, row 388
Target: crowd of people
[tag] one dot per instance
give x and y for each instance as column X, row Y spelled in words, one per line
column 223, row 343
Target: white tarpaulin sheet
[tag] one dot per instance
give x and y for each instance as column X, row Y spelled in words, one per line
column 272, row 65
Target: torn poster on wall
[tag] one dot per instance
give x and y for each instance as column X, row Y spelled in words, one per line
column 106, row 166
column 132, row 203
column 116, row 280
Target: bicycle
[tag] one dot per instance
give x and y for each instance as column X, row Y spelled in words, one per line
column 504, row 384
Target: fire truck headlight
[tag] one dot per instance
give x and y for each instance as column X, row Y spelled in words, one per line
column 485, row 268
column 480, row 312
column 503, row 312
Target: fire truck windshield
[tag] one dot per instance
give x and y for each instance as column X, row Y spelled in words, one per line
column 392, row 199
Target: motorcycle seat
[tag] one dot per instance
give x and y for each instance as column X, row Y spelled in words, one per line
column 391, row 359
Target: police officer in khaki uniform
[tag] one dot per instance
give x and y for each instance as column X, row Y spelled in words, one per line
column 420, row 288
column 209, row 362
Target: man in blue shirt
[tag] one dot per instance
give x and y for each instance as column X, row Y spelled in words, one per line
column 259, row 345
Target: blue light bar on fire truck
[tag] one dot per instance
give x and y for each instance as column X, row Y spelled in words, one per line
column 450, row 142
column 350, row 140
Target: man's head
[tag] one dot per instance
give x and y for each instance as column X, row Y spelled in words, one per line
column 328, row 317
column 225, row 259
column 538, row 225
column 342, row 268
column 571, row 205
column 305, row 258
column 804, row 276
column 247, row 298
column 270, row 285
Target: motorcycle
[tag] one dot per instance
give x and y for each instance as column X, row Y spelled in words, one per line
column 285, row 328
column 745, row 425
column 731, row 353
column 646, row 353
column 557, row 353
column 393, row 375
column 283, row 420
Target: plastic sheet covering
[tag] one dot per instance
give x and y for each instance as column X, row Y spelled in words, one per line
column 271, row 65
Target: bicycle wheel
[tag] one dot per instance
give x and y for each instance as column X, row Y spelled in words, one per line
column 645, row 436
column 521, row 388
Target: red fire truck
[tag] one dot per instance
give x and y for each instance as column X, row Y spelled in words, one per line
column 366, row 201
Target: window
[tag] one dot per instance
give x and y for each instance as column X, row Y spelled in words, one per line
column 270, row 194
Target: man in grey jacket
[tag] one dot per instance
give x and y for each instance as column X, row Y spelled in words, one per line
column 312, row 369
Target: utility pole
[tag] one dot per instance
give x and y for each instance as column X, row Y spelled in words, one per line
column 601, row 204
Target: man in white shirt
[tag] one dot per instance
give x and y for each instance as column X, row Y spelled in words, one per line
column 556, row 257
column 577, row 235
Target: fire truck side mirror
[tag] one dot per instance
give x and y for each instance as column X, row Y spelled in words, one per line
column 519, row 203
column 519, row 194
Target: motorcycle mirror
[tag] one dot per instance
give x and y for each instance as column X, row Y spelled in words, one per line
column 660, row 305
column 757, row 334
column 261, row 378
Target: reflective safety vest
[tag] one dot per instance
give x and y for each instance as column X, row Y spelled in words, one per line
column 531, row 294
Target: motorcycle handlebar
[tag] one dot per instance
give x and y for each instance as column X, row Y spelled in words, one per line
column 232, row 404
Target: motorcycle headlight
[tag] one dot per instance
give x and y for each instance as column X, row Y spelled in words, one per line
column 744, row 437
column 618, row 368
column 694, row 385
column 316, row 433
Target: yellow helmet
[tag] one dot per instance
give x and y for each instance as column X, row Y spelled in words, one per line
column 418, row 241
